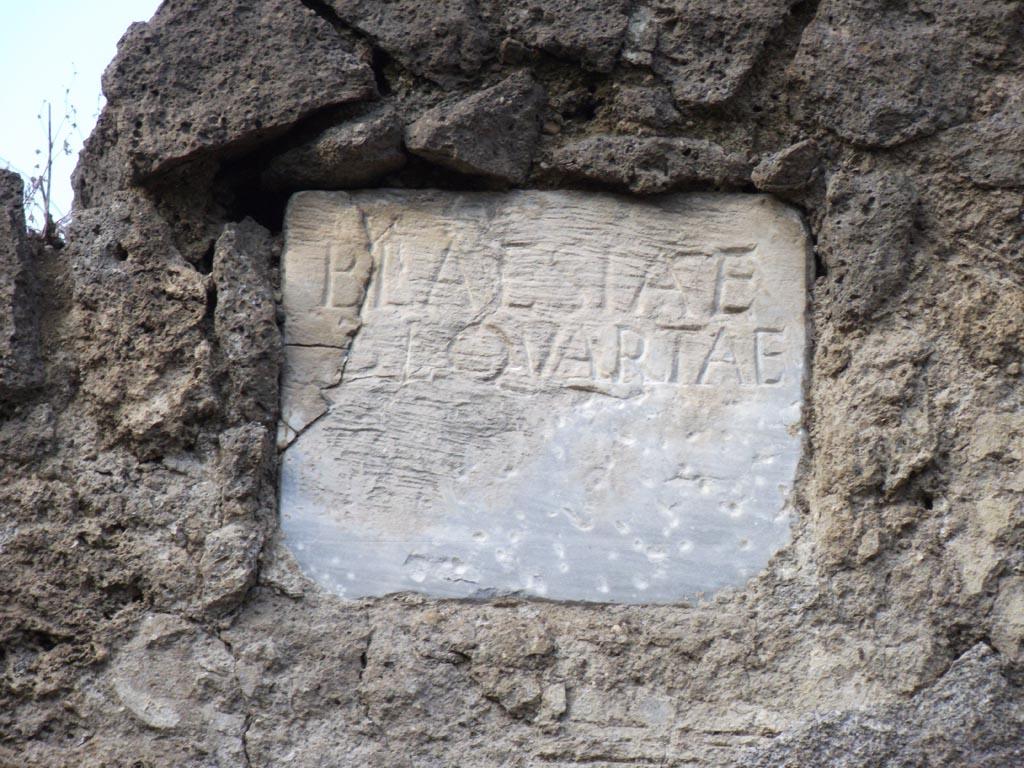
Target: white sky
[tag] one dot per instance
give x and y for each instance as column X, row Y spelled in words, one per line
column 48, row 47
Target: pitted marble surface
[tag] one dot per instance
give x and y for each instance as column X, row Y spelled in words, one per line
column 559, row 394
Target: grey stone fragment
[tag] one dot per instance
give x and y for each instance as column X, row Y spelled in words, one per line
column 293, row 657
column 248, row 470
column 228, row 565
column 650, row 165
column 865, row 239
column 29, row 437
column 990, row 152
column 1008, row 617
column 493, row 133
column 352, row 154
column 20, row 368
column 880, row 73
column 650, row 106
column 138, row 308
column 971, row 716
column 202, row 77
column 245, row 319
column 178, row 680
column 706, row 48
column 443, row 40
column 789, row 170
column 588, row 31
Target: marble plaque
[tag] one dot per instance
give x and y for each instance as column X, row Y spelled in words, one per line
column 558, row 394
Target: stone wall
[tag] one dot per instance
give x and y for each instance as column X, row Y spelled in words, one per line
column 152, row 617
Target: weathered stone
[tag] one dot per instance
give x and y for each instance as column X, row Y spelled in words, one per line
column 248, row 472
column 344, row 156
column 1001, row 161
column 874, row 431
column 650, row 106
column 139, row 304
column 906, row 546
column 206, row 76
column 530, row 411
column 228, row 565
column 179, row 681
column 444, row 40
column 789, row 170
column 704, row 49
column 880, row 73
column 245, row 319
column 285, row 671
column 650, row 165
column 20, row 369
column 1008, row 618
column 989, row 321
column 590, row 31
column 865, row 239
column 503, row 121
column 972, row 705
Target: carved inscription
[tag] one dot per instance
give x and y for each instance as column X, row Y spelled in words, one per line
column 561, row 394
column 675, row 323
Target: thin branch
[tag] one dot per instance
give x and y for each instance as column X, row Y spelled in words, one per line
column 49, row 228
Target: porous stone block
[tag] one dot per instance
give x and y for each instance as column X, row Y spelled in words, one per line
column 345, row 156
column 493, row 133
column 588, row 31
column 788, row 170
column 446, row 41
column 204, row 77
column 880, row 74
column 704, row 49
column 650, row 164
column 20, row 368
column 560, row 394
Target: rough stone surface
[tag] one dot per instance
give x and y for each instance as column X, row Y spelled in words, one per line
column 1001, row 165
column 1008, row 620
column 932, row 729
column 245, row 318
column 866, row 239
column 503, row 121
column 177, row 680
column 789, row 170
column 252, row 79
column 150, row 382
column 20, row 370
column 704, row 49
column 650, row 165
column 353, row 154
column 639, row 397
column 139, row 444
column 915, row 64
column 642, row 106
column 228, row 565
column 444, row 40
column 591, row 31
